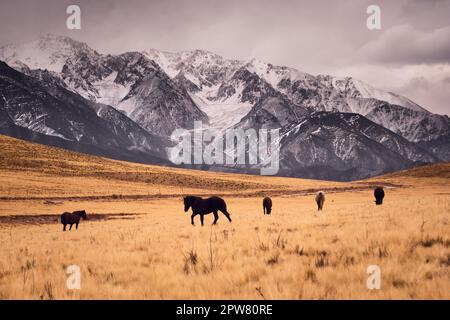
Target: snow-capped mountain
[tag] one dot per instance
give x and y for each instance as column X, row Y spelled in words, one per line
column 41, row 106
column 203, row 68
column 341, row 124
column 272, row 112
column 154, row 101
column 343, row 146
column 337, row 146
column 205, row 75
column 130, row 82
column 240, row 83
column 49, row 52
column 352, row 88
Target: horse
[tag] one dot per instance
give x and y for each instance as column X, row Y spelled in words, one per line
column 320, row 199
column 72, row 218
column 267, row 205
column 379, row 195
column 205, row 206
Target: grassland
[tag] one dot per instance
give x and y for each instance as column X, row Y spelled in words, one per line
column 139, row 243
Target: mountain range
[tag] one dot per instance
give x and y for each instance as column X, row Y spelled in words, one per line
column 59, row 91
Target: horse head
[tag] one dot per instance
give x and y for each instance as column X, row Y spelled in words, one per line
column 82, row 214
column 188, row 201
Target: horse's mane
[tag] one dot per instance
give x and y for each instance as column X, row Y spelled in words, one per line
column 192, row 198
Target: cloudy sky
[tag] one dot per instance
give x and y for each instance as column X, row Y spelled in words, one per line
column 410, row 55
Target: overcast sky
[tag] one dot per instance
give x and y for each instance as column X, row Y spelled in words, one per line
column 410, row 55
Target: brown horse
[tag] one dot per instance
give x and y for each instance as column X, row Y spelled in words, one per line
column 206, row 206
column 267, row 205
column 72, row 218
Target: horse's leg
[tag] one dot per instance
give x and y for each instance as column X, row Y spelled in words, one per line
column 216, row 217
column 64, row 229
column 76, row 226
column 225, row 212
column 201, row 218
column 264, row 209
column 70, row 227
column 192, row 218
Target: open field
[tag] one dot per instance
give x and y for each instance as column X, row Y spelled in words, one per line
column 138, row 242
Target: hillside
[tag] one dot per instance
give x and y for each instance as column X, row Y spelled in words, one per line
column 40, row 168
column 437, row 170
column 437, row 175
column 32, row 170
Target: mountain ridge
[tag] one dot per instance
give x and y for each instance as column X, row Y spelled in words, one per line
column 45, row 111
column 160, row 91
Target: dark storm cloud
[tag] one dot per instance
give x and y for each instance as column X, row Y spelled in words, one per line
column 406, row 45
column 305, row 34
column 432, row 91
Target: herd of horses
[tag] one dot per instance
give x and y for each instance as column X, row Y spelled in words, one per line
column 209, row 205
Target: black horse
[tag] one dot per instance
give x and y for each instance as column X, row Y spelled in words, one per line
column 320, row 200
column 379, row 195
column 72, row 218
column 267, row 205
column 205, row 206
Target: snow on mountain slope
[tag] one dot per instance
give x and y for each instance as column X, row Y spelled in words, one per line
column 344, row 146
column 130, row 82
column 222, row 114
column 74, row 62
column 158, row 105
column 109, row 91
column 92, row 75
column 283, row 94
column 161, row 91
column 48, row 52
column 275, row 74
column 44, row 107
column 166, row 60
column 355, row 88
column 272, row 112
column 202, row 67
column 231, row 101
column 205, row 69
column 413, row 125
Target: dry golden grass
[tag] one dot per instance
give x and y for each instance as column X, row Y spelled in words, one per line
column 295, row 253
column 28, row 170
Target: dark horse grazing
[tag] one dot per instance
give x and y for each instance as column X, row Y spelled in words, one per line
column 267, row 205
column 205, row 206
column 72, row 218
column 320, row 200
column 379, row 195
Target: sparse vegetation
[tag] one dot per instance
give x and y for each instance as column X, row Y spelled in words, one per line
column 148, row 249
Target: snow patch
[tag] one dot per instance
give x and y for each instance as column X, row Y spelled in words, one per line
column 224, row 114
column 368, row 91
column 109, row 92
column 274, row 74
